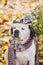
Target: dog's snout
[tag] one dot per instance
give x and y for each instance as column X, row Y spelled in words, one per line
column 16, row 33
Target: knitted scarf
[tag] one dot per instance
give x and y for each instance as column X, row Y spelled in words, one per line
column 13, row 48
column 11, row 55
column 12, row 51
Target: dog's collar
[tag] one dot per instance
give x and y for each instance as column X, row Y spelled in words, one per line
column 28, row 44
column 24, row 46
column 21, row 47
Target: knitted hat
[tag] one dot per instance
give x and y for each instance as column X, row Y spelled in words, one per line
column 26, row 19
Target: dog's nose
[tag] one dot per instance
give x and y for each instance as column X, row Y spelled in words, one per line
column 16, row 33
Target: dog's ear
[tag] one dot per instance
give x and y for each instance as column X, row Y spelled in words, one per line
column 32, row 32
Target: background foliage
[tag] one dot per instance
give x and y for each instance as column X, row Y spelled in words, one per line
column 38, row 27
column 38, row 20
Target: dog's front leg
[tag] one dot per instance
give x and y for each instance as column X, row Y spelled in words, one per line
column 32, row 61
column 17, row 62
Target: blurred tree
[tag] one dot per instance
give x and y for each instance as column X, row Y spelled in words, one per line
column 38, row 27
column 38, row 20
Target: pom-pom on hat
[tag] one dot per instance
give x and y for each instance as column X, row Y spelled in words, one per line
column 26, row 19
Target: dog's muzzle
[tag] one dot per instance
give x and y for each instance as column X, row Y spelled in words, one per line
column 16, row 33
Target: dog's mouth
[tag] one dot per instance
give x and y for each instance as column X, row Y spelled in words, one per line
column 18, row 45
column 17, row 39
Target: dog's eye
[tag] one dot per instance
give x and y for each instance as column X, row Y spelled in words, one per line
column 22, row 28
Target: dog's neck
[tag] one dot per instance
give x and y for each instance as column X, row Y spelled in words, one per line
column 23, row 47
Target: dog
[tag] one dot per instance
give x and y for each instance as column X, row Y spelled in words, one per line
column 27, row 49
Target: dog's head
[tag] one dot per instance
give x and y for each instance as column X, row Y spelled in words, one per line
column 22, row 30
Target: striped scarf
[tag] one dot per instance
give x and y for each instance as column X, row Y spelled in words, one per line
column 12, row 52
column 11, row 55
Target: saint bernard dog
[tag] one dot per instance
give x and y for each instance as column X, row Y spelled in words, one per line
column 23, row 42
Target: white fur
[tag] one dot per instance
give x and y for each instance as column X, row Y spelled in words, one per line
column 24, row 34
column 27, row 55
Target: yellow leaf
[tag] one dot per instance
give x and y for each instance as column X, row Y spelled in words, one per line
column 3, row 1
column 21, row 2
column 29, row 5
column 40, row 47
column 18, row 15
column 9, row 15
column 0, row 55
column 3, row 61
column 2, row 16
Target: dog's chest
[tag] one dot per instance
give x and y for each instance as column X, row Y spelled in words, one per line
column 28, row 53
